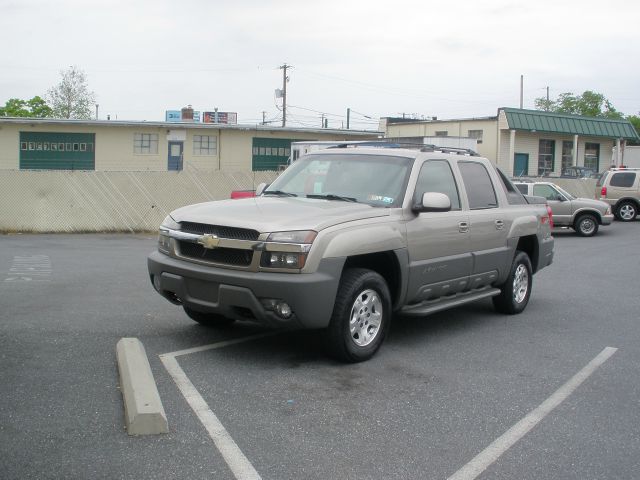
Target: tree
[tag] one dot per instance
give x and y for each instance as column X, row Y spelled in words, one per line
column 589, row 104
column 71, row 98
column 635, row 121
column 36, row 107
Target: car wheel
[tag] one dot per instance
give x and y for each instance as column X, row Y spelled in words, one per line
column 515, row 292
column 361, row 315
column 208, row 319
column 627, row 211
column 586, row 225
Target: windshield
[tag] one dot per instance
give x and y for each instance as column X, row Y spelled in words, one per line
column 376, row 180
column 565, row 193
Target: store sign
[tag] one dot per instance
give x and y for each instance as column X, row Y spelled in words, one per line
column 230, row 118
column 176, row 116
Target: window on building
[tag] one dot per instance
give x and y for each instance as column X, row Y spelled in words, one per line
column 145, row 143
column 477, row 134
column 567, row 154
column 546, row 156
column 205, row 145
column 592, row 156
column 23, row 145
column 478, row 185
column 442, row 133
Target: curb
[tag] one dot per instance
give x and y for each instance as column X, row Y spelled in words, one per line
column 143, row 410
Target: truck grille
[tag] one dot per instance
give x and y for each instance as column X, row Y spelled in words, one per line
column 223, row 256
column 219, row 231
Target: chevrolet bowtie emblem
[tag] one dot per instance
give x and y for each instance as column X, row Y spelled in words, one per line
column 209, row 241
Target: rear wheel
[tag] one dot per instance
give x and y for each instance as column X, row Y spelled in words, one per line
column 208, row 319
column 361, row 315
column 586, row 225
column 515, row 292
column 627, row 211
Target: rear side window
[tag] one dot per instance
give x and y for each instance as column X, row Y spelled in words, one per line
column 478, row 185
column 436, row 176
column 623, row 179
column 523, row 188
column 513, row 194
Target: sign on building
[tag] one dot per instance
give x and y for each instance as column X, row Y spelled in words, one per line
column 220, row 117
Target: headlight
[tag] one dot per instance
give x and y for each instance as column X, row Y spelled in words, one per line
column 164, row 241
column 170, row 223
column 298, row 236
column 292, row 253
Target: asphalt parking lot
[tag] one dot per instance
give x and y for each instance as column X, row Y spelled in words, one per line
column 439, row 393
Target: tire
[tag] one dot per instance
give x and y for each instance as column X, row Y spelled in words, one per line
column 627, row 211
column 361, row 316
column 208, row 319
column 586, row 225
column 515, row 292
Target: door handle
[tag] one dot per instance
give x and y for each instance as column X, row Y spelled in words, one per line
column 499, row 224
column 463, row 227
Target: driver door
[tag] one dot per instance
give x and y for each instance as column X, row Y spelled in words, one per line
column 560, row 205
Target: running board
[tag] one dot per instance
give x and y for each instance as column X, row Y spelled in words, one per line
column 426, row 308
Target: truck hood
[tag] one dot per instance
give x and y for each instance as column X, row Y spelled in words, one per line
column 272, row 214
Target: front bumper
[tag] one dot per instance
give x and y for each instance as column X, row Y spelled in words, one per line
column 238, row 294
column 606, row 219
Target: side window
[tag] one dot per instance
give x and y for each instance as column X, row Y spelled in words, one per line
column 513, row 194
column 623, row 179
column 436, row 176
column 545, row 191
column 478, row 185
column 523, row 188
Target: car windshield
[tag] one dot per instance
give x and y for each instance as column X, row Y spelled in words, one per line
column 565, row 193
column 376, row 180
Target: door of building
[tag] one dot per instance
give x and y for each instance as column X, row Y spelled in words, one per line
column 175, row 155
column 521, row 164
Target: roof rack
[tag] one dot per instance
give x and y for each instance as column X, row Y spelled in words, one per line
column 412, row 146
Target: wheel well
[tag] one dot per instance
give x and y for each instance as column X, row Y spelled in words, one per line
column 628, row 199
column 594, row 213
column 529, row 245
column 384, row 263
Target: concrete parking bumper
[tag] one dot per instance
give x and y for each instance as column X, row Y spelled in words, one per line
column 144, row 413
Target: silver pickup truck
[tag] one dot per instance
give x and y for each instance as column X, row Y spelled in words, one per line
column 349, row 236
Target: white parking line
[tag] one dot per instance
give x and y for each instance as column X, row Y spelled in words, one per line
column 236, row 460
column 490, row 454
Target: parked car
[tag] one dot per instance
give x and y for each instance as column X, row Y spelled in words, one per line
column 584, row 215
column 620, row 188
column 579, row 172
column 347, row 237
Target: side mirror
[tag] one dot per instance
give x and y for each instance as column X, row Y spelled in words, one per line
column 433, row 202
column 560, row 198
column 261, row 188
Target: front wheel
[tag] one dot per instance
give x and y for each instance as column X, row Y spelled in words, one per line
column 361, row 315
column 515, row 292
column 627, row 211
column 208, row 319
column 586, row 225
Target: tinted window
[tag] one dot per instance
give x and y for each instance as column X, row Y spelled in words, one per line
column 514, row 196
column 523, row 188
column 623, row 179
column 436, row 176
column 478, row 185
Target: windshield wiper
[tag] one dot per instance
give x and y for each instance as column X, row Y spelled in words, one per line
column 331, row 196
column 279, row 193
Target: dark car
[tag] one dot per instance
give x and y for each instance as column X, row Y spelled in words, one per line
column 579, row 172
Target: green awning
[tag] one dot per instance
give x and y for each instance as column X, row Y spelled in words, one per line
column 560, row 123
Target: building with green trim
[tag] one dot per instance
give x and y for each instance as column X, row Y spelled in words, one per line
column 530, row 142
column 103, row 145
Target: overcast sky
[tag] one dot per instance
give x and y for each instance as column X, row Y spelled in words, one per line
column 450, row 59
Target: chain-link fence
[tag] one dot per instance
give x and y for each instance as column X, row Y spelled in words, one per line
column 89, row 201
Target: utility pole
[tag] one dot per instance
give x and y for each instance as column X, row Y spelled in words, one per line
column 348, row 117
column 521, row 91
column 285, row 79
column 264, row 119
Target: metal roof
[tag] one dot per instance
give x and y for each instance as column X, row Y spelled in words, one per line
column 184, row 125
column 539, row 121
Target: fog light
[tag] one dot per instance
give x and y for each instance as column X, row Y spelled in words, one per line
column 156, row 282
column 283, row 310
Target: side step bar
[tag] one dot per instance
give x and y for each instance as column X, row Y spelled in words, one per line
column 426, row 308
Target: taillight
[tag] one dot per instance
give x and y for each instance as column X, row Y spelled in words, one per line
column 550, row 213
column 603, row 192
